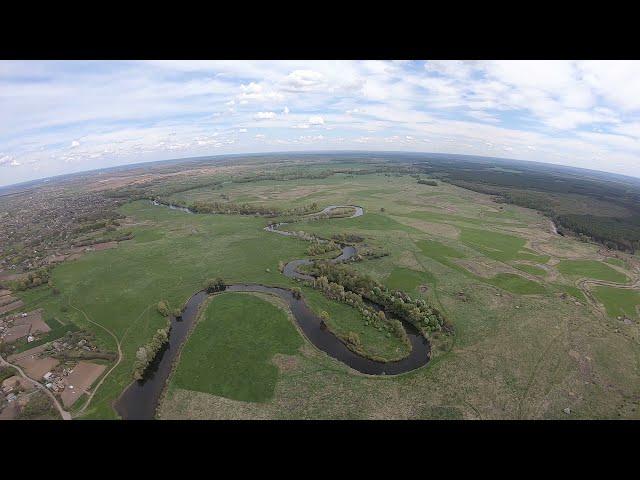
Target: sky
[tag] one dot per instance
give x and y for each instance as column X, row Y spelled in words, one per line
column 59, row 117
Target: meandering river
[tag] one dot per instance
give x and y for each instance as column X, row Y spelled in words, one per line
column 140, row 400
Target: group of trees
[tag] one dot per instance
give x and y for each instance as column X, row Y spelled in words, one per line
column 372, row 317
column 34, row 279
column 347, row 238
column 215, row 285
column 230, row 208
column 418, row 312
column 111, row 235
column 201, row 206
column 370, row 253
column 433, row 183
column 165, row 310
column 146, row 353
column 319, row 247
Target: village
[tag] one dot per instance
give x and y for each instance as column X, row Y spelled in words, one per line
column 67, row 365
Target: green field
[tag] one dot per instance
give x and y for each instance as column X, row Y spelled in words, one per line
column 516, row 284
column 619, row 301
column 231, row 350
column 591, row 269
column 519, row 349
column 532, row 269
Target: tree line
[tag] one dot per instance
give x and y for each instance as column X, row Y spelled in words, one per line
column 345, row 284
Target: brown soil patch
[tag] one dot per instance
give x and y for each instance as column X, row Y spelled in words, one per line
column 583, row 363
column 7, row 299
column 15, row 333
column 79, row 380
column 10, row 412
column 12, row 306
column 55, row 259
column 12, row 382
column 104, row 246
column 34, row 320
column 285, row 363
column 34, row 365
column 4, row 293
column 10, row 277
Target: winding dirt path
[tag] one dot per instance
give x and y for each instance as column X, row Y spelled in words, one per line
column 95, row 389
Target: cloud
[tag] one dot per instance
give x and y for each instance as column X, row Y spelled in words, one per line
column 70, row 116
column 264, row 115
column 304, row 81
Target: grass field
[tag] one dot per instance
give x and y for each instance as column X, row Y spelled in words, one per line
column 619, row 301
column 532, row 269
column 230, row 352
column 591, row 269
column 504, row 362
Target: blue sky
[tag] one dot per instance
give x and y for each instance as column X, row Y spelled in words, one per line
column 61, row 117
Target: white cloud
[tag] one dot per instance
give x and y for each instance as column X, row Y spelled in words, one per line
column 118, row 112
column 303, row 81
column 264, row 115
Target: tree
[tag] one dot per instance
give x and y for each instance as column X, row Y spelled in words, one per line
column 163, row 308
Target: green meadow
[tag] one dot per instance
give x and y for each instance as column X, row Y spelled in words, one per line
column 231, row 350
column 591, row 269
column 619, row 301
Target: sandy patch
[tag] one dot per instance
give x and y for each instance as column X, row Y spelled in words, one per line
column 79, row 380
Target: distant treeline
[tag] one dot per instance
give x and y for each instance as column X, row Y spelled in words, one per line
column 529, row 186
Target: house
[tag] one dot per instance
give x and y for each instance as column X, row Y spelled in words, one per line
column 47, row 375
